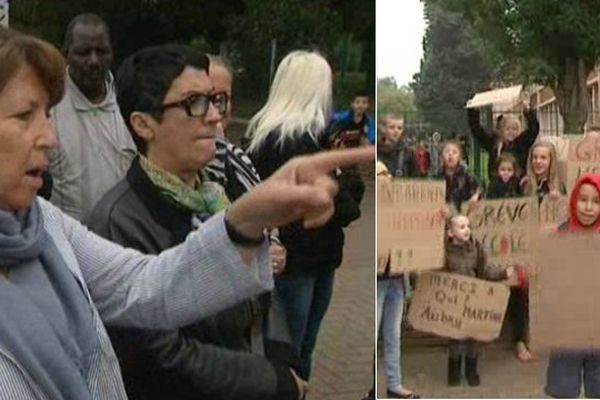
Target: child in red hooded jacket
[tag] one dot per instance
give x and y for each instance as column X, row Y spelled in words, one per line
column 566, row 369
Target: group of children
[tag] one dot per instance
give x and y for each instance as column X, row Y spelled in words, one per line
column 403, row 157
column 523, row 165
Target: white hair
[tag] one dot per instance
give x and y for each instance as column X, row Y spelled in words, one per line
column 299, row 100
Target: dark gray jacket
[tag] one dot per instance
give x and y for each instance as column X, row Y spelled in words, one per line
column 469, row 259
column 398, row 158
column 207, row 360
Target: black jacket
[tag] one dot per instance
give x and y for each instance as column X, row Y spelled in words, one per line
column 397, row 157
column 518, row 147
column 206, row 360
column 315, row 249
column 500, row 190
column 460, row 187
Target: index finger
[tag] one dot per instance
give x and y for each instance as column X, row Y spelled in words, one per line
column 329, row 160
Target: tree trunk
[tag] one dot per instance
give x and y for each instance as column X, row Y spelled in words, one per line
column 572, row 94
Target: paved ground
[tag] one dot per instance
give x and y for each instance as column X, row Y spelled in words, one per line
column 502, row 376
column 343, row 359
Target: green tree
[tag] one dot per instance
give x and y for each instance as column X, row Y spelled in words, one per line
column 342, row 30
column 358, row 23
column 550, row 42
column 294, row 24
column 398, row 101
column 452, row 69
column 133, row 23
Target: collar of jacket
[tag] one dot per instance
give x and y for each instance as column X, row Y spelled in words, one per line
column 163, row 210
column 459, row 247
column 458, row 173
column 82, row 103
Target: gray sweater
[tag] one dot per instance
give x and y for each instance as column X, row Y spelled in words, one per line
column 200, row 277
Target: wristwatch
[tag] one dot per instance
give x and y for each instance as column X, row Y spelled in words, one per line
column 239, row 238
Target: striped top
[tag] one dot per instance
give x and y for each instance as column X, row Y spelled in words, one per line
column 232, row 167
column 200, row 277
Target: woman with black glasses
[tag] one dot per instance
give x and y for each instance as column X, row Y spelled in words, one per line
column 172, row 111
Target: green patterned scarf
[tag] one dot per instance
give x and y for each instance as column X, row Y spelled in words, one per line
column 206, row 198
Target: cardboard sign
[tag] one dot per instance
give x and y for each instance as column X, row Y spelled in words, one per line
column 553, row 212
column 583, row 157
column 506, row 96
column 565, row 293
column 458, row 307
column 410, row 227
column 506, row 228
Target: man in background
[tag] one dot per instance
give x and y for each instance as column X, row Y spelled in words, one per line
column 94, row 148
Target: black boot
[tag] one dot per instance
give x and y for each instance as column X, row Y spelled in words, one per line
column 471, row 371
column 454, row 371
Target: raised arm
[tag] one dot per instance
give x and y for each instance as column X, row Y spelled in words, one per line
column 528, row 136
column 484, row 138
column 208, row 272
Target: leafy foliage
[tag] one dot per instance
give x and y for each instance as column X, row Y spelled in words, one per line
column 394, row 100
column 294, row 24
column 244, row 28
column 551, row 42
column 452, row 70
column 134, row 23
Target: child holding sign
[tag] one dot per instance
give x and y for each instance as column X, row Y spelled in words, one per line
column 566, row 369
column 460, row 186
column 542, row 172
column 505, row 184
column 466, row 256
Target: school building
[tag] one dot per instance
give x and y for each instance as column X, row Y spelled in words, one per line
column 508, row 101
column 551, row 122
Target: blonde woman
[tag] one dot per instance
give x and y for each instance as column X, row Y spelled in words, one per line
column 292, row 123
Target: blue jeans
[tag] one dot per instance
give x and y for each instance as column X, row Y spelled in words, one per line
column 566, row 371
column 390, row 306
column 305, row 299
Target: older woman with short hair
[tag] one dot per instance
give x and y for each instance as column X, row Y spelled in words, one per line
column 60, row 283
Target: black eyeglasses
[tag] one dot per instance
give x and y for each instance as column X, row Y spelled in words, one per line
column 196, row 105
